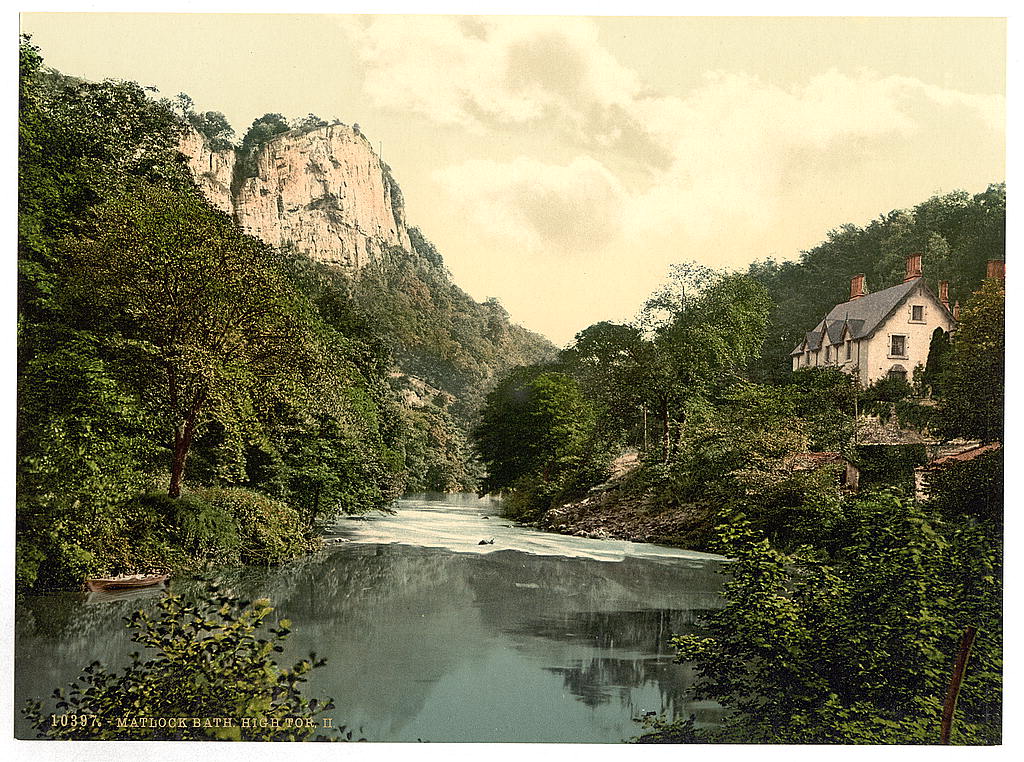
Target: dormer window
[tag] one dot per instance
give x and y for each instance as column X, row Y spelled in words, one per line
column 828, row 354
column 849, row 349
column 917, row 313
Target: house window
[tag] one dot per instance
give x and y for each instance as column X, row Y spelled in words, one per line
column 898, row 346
column 849, row 349
column 898, row 373
column 917, row 313
column 828, row 353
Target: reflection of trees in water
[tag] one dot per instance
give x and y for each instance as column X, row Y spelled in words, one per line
column 598, row 680
column 611, row 608
column 369, row 609
column 645, row 631
column 509, row 585
column 633, row 652
column 391, row 621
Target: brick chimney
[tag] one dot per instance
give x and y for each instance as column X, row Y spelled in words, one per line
column 857, row 289
column 944, row 293
column 913, row 267
column 996, row 269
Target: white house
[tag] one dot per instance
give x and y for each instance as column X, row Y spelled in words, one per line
column 887, row 333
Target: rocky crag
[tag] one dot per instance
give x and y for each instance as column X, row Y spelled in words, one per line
column 322, row 192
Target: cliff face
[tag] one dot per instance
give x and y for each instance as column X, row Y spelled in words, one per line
column 212, row 170
column 324, row 192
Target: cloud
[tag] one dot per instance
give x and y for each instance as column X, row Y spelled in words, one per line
column 733, row 152
column 481, row 73
column 544, row 207
column 727, row 171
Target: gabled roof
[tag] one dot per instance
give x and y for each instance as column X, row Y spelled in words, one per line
column 864, row 315
column 813, row 338
column 872, row 309
column 856, row 327
column 834, row 328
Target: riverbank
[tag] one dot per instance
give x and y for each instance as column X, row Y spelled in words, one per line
column 617, row 510
column 204, row 528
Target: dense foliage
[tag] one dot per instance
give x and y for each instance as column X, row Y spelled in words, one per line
column 547, row 433
column 161, row 348
column 213, row 126
column 974, row 379
column 537, row 437
column 451, row 350
column 746, row 456
column 972, row 488
column 845, row 611
column 206, row 662
column 437, row 332
column 263, row 130
column 853, row 639
column 846, row 600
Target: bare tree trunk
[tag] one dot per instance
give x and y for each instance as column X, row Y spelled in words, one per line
column 949, row 708
column 183, row 435
column 666, row 442
column 316, row 506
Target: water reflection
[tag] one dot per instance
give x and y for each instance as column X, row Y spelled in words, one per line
column 437, row 643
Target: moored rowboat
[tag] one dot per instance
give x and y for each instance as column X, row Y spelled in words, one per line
column 125, row 582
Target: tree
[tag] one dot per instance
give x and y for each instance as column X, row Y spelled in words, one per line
column 183, row 103
column 308, row 122
column 617, row 369
column 205, row 310
column 974, row 379
column 263, row 131
column 694, row 331
column 153, row 334
column 935, row 367
column 214, row 126
column 703, row 328
column 534, row 423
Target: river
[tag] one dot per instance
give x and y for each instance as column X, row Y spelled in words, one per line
column 430, row 635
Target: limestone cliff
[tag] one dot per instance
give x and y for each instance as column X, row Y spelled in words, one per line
column 212, row 170
column 323, row 192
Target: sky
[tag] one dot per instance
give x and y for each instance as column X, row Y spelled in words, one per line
column 561, row 164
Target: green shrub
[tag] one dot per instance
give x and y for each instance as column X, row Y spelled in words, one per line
column 205, row 532
column 889, row 465
column 970, row 488
column 49, row 560
column 269, row 531
column 876, row 397
column 211, row 661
